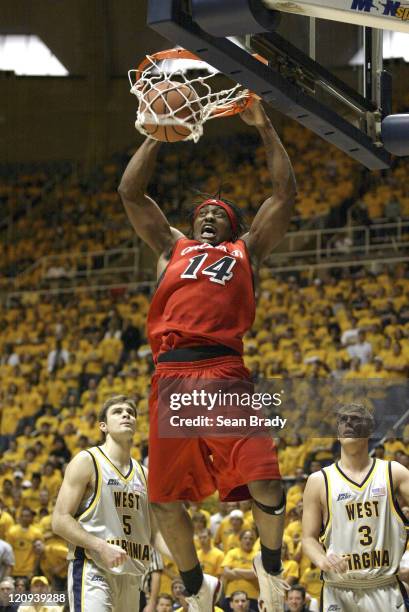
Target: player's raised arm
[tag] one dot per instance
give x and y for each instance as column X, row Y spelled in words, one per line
column 78, row 476
column 312, row 521
column 146, row 217
column 272, row 219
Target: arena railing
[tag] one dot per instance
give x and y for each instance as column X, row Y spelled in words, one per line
column 297, row 250
column 312, row 270
column 82, row 265
column 118, row 286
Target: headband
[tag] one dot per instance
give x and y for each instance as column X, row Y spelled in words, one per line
column 226, row 207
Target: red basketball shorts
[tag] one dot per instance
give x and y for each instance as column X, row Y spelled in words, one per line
column 190, row 469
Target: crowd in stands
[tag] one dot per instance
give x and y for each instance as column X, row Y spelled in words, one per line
column 387, row 197
column 79, row 217
column 62, row 356
column 23, row 189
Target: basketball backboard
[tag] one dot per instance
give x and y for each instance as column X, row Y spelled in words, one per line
column 299, row 78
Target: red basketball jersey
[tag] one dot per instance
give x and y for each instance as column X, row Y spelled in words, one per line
column 205, row 296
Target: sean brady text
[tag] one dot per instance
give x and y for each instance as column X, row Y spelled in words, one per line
column 223, row 421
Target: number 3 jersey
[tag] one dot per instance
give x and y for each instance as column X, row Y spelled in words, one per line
column 365, row 524
column 205, row 296
column 117, row 511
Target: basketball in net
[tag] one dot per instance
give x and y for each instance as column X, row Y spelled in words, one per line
column 175, row 99
column 168, row 107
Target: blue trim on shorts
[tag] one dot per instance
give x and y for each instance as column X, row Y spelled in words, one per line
column 77, row 569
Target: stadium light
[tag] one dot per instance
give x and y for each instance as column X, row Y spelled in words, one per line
column 28, row 55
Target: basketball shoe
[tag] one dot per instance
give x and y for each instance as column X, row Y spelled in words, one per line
column 272, row 588
column 206, row 597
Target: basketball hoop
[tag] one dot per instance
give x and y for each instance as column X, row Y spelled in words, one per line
column 208, row 103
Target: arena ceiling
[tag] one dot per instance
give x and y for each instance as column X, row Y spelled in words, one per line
column 86, row 33
column 112, row 34
column 90, row 114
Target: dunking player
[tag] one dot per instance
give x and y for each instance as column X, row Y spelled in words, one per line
column 102, row 510
column 202, row 307
column 353, row 505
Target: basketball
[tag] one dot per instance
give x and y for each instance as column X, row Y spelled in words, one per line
column 169, row 98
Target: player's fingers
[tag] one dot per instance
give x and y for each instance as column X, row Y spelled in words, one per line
column 341, row 569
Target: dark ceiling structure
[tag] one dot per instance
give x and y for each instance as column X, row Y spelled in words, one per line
column 89, row 114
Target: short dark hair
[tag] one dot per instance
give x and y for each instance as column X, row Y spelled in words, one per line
column 244, row 531
column 116, row 399
column 299, row 588
column 235, row 593
column 364, row 412
column 206, row 530
column 165, row 596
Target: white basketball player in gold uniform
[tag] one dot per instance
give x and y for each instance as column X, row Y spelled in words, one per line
column 353, row 529
column 102, row 511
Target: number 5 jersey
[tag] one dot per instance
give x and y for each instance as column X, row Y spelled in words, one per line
column 117, row 511
column 205, row 296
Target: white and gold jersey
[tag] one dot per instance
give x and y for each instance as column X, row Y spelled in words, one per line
column 118, row 512
column 365, row 524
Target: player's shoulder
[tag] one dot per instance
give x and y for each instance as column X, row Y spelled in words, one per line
column 397, row 470
column 317, row 477
column 316, row 483
column 82, row 463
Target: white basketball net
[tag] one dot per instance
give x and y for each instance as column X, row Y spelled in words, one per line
column 196, row 109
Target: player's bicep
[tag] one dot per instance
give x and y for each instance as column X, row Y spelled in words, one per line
column 149, row 222
column 77, row 477
column 269, row 225
column 312, row 518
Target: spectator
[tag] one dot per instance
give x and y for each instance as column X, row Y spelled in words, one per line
column 165, row 603
column 60, row 451
column 350, row 334
column 210, row 557
column 297, row 601
column 291, row 571
column 238, row 572
column 217, row 518
column 6, row 520
column 343, row 244
column 21, row 585
column 39, row 585
column 57, row 358
column 311, row 581
column 362, row 349
column 52, row 561
column 236, row 518
column 392, row 209
column 397, row 363
column 7, row 492
column 21, row 537
column 6, row 560
column 7, row 590
column 379, row 451
column 131, row 339
column 239, row 601
column 10, row 357
column 179, row 595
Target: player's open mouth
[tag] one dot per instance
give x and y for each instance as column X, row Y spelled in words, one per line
column 208, row 231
